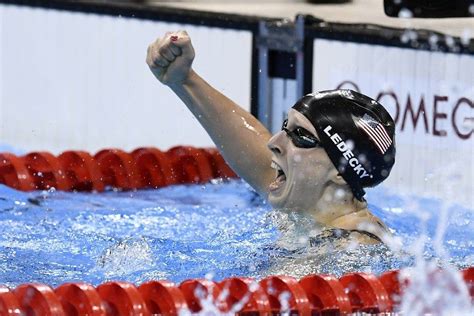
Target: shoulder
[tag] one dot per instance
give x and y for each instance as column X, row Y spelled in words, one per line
column 364, row 227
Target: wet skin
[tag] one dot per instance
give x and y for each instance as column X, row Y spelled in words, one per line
column 307, row 182
column 307, row 171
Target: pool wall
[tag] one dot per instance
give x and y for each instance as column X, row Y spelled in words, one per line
column 88, row 86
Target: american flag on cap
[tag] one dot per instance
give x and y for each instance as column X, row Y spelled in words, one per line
column 375, row 131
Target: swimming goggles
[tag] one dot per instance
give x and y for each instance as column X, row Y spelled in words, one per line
column 300, row 137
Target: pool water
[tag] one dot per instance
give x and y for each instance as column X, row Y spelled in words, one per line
column 216, row 230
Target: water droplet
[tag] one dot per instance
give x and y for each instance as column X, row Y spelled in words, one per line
column 209, row 276
column 339, row 194
column 254, row 286
column 449, row 41
column 466, row 37
column 405, row 13
column 350, row 144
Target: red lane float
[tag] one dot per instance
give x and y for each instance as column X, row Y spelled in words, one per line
column 285, row 290
column 14, row 174
column 9, row 304
column 38, row 299
column 82, row 171
column 191, row 164
column 142, row 168
column 46, row 171
column 118, row 169
column 468, row 275
column 326, row 295
column 312, row 295
column 154, row 168
column 122, row 299
column 199, row 290
column 245, row 296
column 80, row 299
column 366, row 293
column 163, row 298
column 391, row 282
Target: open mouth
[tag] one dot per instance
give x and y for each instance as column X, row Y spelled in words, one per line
column 280, row 177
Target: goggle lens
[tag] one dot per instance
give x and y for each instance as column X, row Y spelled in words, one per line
column 300, row 137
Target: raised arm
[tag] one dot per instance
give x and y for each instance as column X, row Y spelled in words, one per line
column 240, row 137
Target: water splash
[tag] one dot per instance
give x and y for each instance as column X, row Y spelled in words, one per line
column 125, row 257
column 434, row 291
column 434, row 285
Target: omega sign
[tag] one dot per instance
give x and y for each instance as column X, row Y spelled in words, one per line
column 427, row 113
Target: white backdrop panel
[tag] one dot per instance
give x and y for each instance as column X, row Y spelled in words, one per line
column 79, row 81
column 431, row 97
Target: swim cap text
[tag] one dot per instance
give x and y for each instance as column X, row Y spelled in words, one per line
column 347, row 153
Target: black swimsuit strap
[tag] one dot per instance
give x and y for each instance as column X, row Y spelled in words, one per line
column 338, row 233
column 363, row 232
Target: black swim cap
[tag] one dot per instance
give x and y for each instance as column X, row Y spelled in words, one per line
column 357, row 133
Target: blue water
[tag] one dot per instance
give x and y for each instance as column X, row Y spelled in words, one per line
column 175, row 233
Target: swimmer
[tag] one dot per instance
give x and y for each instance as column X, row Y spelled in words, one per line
column 332, row 146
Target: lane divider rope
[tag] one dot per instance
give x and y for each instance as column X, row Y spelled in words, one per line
column 312, row 295
column 145, row 167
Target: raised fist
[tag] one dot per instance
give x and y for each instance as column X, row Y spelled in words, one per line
column 170, row 57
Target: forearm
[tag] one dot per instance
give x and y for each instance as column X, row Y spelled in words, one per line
column 239, row 136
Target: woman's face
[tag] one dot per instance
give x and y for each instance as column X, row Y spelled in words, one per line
column 301, row 173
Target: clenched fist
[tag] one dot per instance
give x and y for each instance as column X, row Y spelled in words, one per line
column 170, row 57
